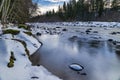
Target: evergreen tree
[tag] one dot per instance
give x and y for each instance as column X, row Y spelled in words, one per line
column 116, row 4
column 53, row 12
column 60, row 12
column 80, row 9
column 101, row 8
column 64, row 7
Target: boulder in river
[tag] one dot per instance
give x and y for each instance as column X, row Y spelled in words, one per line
column 64, row 29
column 38, row 34
column 76, row 67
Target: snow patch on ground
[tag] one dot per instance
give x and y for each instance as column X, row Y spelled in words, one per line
column 22, row 70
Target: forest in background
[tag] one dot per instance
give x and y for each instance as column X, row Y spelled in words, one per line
column 20, row 11
column 83, row 10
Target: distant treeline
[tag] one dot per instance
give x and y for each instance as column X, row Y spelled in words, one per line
column 82, row 10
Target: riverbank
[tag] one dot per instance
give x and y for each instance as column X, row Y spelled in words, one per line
column 16, row 46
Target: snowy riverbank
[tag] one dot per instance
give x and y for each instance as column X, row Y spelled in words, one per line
column 20, row 43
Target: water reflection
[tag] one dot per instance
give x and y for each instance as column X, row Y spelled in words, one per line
column 98, row 58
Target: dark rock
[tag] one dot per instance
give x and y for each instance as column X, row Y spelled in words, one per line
column 38, row 27
column 113, row 33
column 38, row 34
column 54, row 28
column 114, row 42
column 34, row 77
column 58, row 27
column 38, row 64
column 118, row 32
column 88, row 31
column 95, row 31
column 110, row 40
column 64, row 30
column 83, row 74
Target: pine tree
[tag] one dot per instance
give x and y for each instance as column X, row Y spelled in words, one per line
column 101, row 8
column 53, row 12
column 60, row 12
column 64, row 7
column 116, row 4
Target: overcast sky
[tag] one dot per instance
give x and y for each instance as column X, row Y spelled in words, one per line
column 46, row 5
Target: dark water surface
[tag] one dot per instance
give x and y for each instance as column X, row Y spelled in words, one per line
column 99, row 59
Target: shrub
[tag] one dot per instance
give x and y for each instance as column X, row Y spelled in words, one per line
column 23, row 26
column 12, row 59
column 10, row 64
column 11, row 31
column 28, row 33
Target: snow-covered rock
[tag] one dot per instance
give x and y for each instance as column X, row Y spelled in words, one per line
column 76, row 67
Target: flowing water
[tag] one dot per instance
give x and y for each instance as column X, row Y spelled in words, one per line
column 99, row 59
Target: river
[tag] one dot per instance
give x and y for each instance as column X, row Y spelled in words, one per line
column 100, row 61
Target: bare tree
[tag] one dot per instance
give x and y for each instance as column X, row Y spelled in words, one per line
column 16, row 10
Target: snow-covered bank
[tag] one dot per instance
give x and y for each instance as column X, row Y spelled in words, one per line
column 19, row 42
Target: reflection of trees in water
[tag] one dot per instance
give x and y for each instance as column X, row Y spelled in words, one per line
column 95, row 43
column 110, row 47
column 93, row 59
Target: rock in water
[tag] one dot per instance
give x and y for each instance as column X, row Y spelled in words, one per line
column 76, row 67
column 34, row 77
column 83, row 74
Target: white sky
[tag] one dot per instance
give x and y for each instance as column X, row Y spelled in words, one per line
column 56, row 0
column 53, row 4
column 45, row 8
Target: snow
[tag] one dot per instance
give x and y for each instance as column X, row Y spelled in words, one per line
column 82, row 24
column 100, row 30
column 22, row 70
